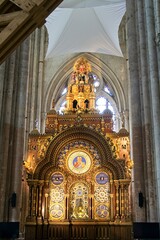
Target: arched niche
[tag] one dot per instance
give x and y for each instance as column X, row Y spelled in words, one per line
column 59, row 81
column 72, row 135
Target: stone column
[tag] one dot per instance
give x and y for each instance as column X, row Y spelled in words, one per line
column 40, row 77
column 12, row 132
column 149, row 166
column 36, row 79
column 126, row 119
column 33, row 78
column 157, row 29
column 154, row 90
column 18, row 130
column 2, row 77
column 135, row 110
column 7, row 82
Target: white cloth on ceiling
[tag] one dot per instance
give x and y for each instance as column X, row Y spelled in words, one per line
column 85, row 26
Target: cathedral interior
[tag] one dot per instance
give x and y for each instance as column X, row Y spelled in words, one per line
column 79, row 130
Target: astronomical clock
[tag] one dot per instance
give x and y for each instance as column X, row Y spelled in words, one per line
column 80, row 169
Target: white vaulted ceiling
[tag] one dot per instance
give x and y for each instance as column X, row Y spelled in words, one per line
column 85, row 26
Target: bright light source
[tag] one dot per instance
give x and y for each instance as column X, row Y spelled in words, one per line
column 64, row 91
column 106, row 89
column 101, row 101
column 96, row 84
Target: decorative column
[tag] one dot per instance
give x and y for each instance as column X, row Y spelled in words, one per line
column 46, row 199
column 40, row 188
column 117, row 216
column 69, row 99
column 81, row 100
column 126, row 201
column 34, row 197
column 66, row 207
column 92, row 100
column 46, row 195
column 102, row 124
column 111, row 201
column 29, row 202
column 122, row 200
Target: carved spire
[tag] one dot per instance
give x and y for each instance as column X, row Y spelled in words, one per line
column 81, row 95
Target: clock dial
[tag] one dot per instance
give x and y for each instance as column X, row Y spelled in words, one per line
column 57, row 178
column 102, row 178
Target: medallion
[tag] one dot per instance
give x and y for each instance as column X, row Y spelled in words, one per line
column 79, row 162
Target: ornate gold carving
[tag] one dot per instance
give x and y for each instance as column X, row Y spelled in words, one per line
column 85, row 166
column 82, row 66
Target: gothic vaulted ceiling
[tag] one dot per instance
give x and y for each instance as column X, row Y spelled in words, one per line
column 74, row 26
column 85, row 26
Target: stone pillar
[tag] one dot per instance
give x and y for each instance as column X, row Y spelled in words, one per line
column 12, row 132
column 135, row 110
column 33, row 64
column 126, row 119
column 149, row 166
column 36, row 79
column 2, row 77
column 154, row 90
column 40, row 77
column 5, row 130
column 157, row 29
column 19, row 128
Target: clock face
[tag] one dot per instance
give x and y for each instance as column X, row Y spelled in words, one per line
column 57, row 178
column 79, row 162
column 102, row 178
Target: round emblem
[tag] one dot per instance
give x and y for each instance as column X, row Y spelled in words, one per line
column 57, row 178
column 102, row 211
column 102, row 178
column 79, row 162
column 56, row 211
